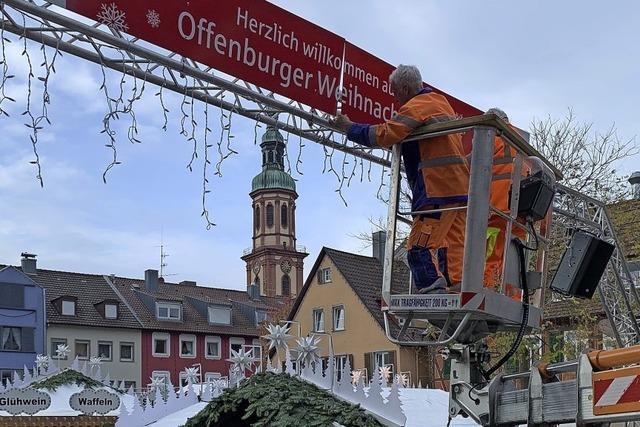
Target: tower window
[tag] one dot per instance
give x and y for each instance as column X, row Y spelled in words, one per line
column 286, row 285
column 284, row 216
column 269, row 215
column 256, row 218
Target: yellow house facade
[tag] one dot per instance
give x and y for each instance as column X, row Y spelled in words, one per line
column 341, row 301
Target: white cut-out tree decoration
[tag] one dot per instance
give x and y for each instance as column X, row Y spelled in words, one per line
column 42, row 363
column 75, row 365
column 26, row 376
column 94, row 364
column 153, row 18
column 308, row 350
column 113, row 17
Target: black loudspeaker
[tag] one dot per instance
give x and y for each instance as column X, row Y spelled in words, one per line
column 582, row 265
column 536, row 195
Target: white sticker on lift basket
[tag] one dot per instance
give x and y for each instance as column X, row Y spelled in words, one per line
column 433, row 302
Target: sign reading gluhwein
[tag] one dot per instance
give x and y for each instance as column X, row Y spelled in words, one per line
column 263, row 44
column 28, row 400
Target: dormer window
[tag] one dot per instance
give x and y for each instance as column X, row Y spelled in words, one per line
column 111, row 311
column 261, row 316
column 68, row 307
column 220, row 315
column 108, row 309
column 168, row 311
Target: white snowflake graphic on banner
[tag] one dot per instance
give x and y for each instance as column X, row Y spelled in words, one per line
column 113, row 17
column 153, row 18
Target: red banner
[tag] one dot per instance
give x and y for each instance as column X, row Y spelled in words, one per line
column 252, row 40
column 263, row 44
column 366, row 95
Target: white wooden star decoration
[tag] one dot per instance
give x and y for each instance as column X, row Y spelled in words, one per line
column 192, row 374
column 242, row 360
column 277, row 336
column 308, row 350
column 62, row 351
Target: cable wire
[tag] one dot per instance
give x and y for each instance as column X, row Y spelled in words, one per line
column 525, row 312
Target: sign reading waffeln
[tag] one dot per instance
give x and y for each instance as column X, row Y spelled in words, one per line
column 27, row 400
column 252, row 40
column 94, row 401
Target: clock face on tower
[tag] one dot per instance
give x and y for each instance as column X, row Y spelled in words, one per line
column 285, row 266
column 256, row 268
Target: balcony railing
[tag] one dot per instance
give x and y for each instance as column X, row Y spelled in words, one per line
column 298, row 248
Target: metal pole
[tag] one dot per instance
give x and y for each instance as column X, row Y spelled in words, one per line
column 394, row 195
column 478, row 209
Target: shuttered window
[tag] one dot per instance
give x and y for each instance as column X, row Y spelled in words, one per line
column 17, row 339
column 11, row 295
column 256, row 218
column 284, row 216
column 269, row 215
column 286, row 285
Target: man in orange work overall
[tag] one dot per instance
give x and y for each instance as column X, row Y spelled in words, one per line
column 503, row 157
column 437, row 173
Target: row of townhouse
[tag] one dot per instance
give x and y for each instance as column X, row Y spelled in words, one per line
column 140, row 328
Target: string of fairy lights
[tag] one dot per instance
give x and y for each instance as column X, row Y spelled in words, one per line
column 195, row 124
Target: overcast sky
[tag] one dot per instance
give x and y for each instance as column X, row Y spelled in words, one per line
column 532, row 60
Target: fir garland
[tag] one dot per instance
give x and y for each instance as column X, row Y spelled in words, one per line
column 68, row 377
column 270, row 400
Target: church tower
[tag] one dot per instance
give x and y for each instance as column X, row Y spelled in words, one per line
column 274, row 262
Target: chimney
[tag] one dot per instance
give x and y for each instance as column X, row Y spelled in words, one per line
column 151, row 280
column 379, row 240
column 634, row 180
column 28, row 263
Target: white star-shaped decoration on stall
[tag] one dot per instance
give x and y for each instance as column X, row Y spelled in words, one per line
column 62, row 351
column 355, row 377
column 42, row 362
column 402, row 379
column 385, row 373
column 277, row 336
column 242, row 360
column 95, row 361
column 308, row 350
column 192, row 374
column 157, row 382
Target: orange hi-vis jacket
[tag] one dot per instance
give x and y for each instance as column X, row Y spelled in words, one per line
column 436, row 168
column 501, row 175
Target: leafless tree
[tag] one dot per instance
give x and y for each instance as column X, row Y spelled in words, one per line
column 587, row 158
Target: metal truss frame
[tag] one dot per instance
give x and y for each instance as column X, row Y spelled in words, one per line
column 616, row 290
column 46, row 24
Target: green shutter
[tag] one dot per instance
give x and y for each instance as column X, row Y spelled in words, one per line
column 392, row 361
column 368, row 363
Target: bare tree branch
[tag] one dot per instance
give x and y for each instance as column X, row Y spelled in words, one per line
column 587, row 158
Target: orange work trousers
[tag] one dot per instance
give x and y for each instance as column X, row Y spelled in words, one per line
column 495, row 259
column 435, row 247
